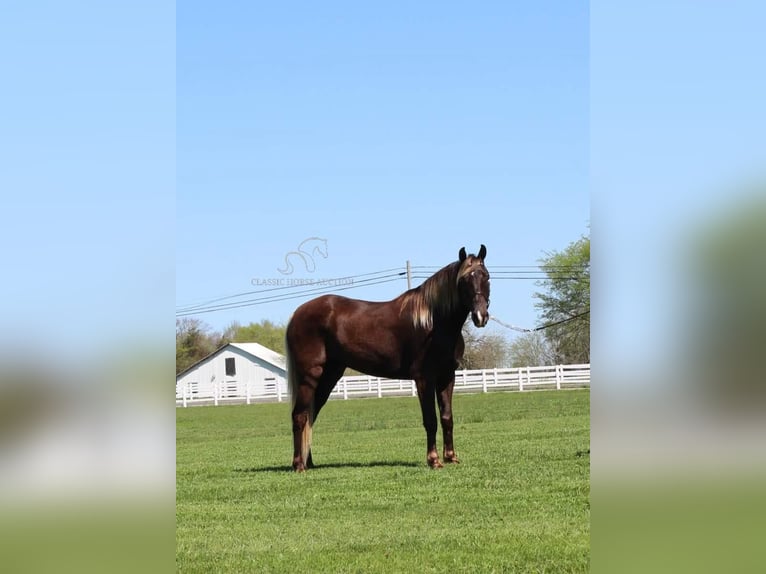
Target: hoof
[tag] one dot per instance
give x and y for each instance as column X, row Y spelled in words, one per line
column 451, row 458
column 435, row 463
column 299, row 467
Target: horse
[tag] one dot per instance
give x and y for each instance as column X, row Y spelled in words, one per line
column 417, row 336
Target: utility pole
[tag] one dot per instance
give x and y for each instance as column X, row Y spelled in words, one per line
column 409, row 276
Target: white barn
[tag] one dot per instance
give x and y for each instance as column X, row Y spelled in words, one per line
column 232, row 372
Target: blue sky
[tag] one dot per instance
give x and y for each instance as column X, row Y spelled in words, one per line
column 486, row 125
column 399, row 131
column 87, row 141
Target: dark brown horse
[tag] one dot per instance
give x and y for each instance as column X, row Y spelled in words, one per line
column 416, row 336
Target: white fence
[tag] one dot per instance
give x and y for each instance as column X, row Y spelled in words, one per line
column 480, row 380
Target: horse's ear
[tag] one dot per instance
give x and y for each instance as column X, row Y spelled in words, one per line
column 482, row 252
column 462, row 254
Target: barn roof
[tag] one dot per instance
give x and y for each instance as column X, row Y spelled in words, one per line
column 254, row 349
column 263, row 353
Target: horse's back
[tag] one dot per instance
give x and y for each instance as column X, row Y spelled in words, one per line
column 331, row 309
column 363, row 335
column 318, row 317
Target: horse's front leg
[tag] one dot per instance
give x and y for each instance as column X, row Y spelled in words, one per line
column 444, row 397
column 428, row 408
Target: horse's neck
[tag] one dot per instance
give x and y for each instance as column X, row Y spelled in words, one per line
column 451, row 320
column 455, row 320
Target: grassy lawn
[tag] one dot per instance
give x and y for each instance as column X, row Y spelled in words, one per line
column 519, row 502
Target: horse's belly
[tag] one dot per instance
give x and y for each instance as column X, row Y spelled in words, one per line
column 379, row 356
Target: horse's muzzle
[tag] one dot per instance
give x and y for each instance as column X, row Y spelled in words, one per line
column 480, row 318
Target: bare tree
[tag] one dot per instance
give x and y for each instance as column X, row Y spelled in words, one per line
column 530, row 350
column 486, row 351
column 194, row 340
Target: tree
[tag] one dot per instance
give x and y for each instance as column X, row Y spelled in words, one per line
column 194, row 341
column 531, row 349
column 565, row 305
column 486, row 351
column 265, row 332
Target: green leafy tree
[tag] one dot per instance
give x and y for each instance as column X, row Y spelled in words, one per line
column 265, row 332
column 195, row 339
column 565, row 302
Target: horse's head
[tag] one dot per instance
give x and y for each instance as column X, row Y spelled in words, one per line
column 473, row 285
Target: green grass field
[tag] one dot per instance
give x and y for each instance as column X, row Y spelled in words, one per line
column 519, row 502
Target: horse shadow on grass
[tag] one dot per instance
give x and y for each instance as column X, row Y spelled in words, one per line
column 289, row 468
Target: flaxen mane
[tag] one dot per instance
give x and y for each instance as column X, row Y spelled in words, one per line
column 437, row 295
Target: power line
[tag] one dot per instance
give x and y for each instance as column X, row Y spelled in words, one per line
column 497, row 272
column 573, row 272
column 502, row 267
column 192, row 306
column 533, row 278
column 287, row 292
column 287, row 296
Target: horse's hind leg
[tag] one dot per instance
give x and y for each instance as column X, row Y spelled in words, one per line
column 330, row 376
column 302, row 422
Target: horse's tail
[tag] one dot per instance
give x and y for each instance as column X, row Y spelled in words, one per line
column 293, row 383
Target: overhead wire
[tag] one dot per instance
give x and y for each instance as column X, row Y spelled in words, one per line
column 323, row 290
column 192, row 306
column 499, row 272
